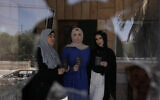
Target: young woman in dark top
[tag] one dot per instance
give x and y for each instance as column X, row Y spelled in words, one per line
column 102, row 69
column 48, row 60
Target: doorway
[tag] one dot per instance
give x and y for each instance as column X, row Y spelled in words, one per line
column 89, row 27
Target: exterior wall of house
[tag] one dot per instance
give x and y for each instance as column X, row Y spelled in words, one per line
column 100, row 11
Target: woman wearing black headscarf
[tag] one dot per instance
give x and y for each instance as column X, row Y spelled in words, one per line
column 103, row 69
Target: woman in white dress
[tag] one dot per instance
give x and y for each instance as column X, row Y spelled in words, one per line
column 103, row 69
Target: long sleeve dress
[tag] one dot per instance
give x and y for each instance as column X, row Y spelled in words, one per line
column 103, row 79
column 76, row 80
column 40, row 84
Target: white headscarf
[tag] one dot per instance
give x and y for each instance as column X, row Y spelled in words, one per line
column 80, row 44
column 49, row 55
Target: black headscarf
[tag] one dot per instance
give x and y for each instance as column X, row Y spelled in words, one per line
column 101, row 51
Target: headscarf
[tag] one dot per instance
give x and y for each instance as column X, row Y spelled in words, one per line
column 80, row 44
column 49, row 55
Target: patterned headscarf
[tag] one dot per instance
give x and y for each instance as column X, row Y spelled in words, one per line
column 49, row 55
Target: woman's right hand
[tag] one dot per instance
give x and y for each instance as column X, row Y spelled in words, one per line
column 75, row 68
column 103, row 63
column 61, row 71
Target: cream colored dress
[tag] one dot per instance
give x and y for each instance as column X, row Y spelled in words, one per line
column 96, row 86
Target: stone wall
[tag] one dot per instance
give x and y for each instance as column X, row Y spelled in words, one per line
column 14, row 65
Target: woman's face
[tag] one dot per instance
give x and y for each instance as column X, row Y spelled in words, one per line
column 99, row 40
column 51, row 39
column 77, row 37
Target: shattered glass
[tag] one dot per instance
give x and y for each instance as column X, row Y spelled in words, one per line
column 136, row 29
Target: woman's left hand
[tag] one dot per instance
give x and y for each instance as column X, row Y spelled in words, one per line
column 75, row 68
column 66, row 70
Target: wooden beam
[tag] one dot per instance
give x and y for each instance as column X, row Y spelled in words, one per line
column 77, row 10
column 60, row 9
column 68, row 10
column 93, row 10
column 85, row 10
